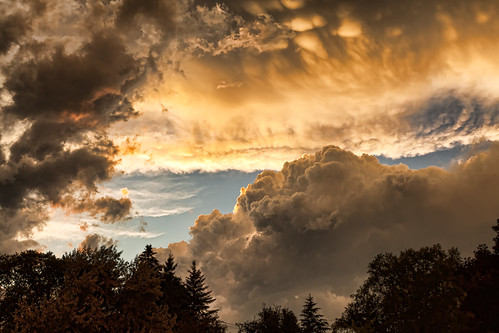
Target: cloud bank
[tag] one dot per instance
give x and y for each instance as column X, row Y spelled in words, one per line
column 282, row 78
column 315, row 225
column 91, row 87
column 61, row 90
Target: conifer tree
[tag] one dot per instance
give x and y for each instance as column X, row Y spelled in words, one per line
column 140, row 305
column 198, row 293
column 148, row 256
column 311, row 321
column 174, row 293
column 199, row 302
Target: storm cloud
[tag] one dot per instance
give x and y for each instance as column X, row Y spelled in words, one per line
column 94, row 241
column 282, row 78
column 61, row 94
column 315, row 225
column 91, row 88
column 70, row 71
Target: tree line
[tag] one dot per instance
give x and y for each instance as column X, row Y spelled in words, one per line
column 427, row 290
column 418, row 291
column 95, row 290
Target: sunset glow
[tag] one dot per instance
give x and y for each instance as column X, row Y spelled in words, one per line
column 252, row 135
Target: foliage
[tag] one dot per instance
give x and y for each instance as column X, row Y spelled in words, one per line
column 148, row 257
column 174, row 294
column 95, row 290
column 25, row 279
column 481, row 280
column 271, row 319
column 417, row 291
column 311, row 321
column 200, row 298
column 140, row 305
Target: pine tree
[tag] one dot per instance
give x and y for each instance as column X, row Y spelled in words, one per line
column 140, row 305
column 148, row 256
column 174, row 293
column 199, row 303
column 198, row 293
column 312, row 321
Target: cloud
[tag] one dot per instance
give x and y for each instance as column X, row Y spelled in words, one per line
column 65, row 92
column 247, row 85
column 355, row 74
column 315, row 225
column 94, row 241
column 12, row 27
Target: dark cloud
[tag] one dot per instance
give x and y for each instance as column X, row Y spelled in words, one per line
column 109, row 209
column 63, row 97
column 15, row 21
column 315, row 225
column 450, row 111
column 63, row 84
column 12, row 27
column 94, row 241
column 161, row 13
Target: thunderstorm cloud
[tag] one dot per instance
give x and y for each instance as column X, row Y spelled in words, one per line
column 316, row 224
column 92, row 88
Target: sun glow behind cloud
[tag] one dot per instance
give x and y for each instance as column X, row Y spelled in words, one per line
column 287, row 83
column 114, row 113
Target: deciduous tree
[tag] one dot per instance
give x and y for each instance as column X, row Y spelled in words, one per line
column 417, row 291
column 271, row 319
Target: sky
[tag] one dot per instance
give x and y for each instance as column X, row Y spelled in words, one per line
column 281, row 143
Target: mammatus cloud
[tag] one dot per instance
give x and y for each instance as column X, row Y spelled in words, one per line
column 69, row 72
column 298, row 75
column 315, row 225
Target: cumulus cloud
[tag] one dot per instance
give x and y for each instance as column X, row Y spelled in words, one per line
column 94, row 241
column 315, row 225
column 63, row 93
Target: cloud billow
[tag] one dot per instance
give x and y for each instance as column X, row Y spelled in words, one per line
column 62, row 98
column 315, row 225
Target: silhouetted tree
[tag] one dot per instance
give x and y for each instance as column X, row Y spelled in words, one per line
column 481, row 282
column 199, row 302
column 140, row 305
column 148, row 256
column 417, row 291
column 311, row 321
column 26, row 279
column 198, row 293
column 86, row 301
column 273, row 319
column 174, row 295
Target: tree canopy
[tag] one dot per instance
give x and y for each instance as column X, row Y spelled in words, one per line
column 271, row 319
column 427, row 290
column 95, row 290
column 417, row 291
